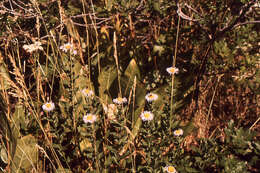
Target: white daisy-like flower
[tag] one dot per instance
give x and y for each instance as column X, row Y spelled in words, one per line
column 170, row 169
column 33, row 47
column 87, row 92
column 89, row 118
column 178, row 132
column 120, row 100
column 110, row 110
column 147, row 116
column 68, row 47
column 172, row 70
column 49, row 106
column 151, row 97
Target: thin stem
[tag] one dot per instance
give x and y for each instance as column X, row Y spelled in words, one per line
column 117, row 65
column 254, row 123
column 95, row 148
column 97, row 41
column 212, row 99
column 174, row 64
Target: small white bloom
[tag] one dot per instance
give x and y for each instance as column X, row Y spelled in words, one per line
column 147, row 116
column 178, row 132
column 172, row 70
column 89, row 118
column 151, row 97
column 49, row 106
column 87, row 92
column 170, row 169
column 110, row 110
column 68, row 47
column 120, row 100
column 33, row 47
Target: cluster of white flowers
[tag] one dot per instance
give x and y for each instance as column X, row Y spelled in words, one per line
column 110, row 110
column 33, row 47
column 69, row 47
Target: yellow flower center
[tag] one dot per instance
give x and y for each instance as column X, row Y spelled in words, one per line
column 87, row 91
column 120, row 99
column 68, row 46
column 172, row 70
column 48, row 105
column 151, row 96
column 89, row 117
column 146, row 115
column 171, row 169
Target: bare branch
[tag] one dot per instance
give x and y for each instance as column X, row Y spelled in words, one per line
column 245, row 23
column 184, row 16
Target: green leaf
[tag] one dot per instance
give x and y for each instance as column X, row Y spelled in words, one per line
column 26, row 154
column 4, row 77
column 106, row 78
column 4, row 155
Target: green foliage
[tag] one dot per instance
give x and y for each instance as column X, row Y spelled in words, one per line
column 122, row 50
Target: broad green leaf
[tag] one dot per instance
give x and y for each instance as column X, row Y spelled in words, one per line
column 132, row 70
column 4, row 155
column 107, row 76
column 4, row 77
column 26, row 154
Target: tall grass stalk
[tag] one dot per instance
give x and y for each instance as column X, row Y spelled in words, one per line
column 23, row 93
column 212, row 99
column 173, row 65
column 97, row 40
column 117, row 64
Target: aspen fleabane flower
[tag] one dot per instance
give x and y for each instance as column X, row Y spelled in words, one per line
column 110, row 110
column 151, row 97
column 120, row 100
column 49, row 106
column 170, row 169
column 178, row 132
column 87, row 92
column 89, row 118
column 33, row 47
column 68, row 47
column 147, row 116
column 172, row 70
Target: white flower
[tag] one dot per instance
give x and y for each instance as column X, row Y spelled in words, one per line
column 49, row 106
column 89, row 118
column 87, row 92
column 178, row 132
column 147, row 116
column 120, row 100
column 33, row 47
column 68, row 47
column 110, row 110
column 172, row 70
column 151, row 97
column 170, row 169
